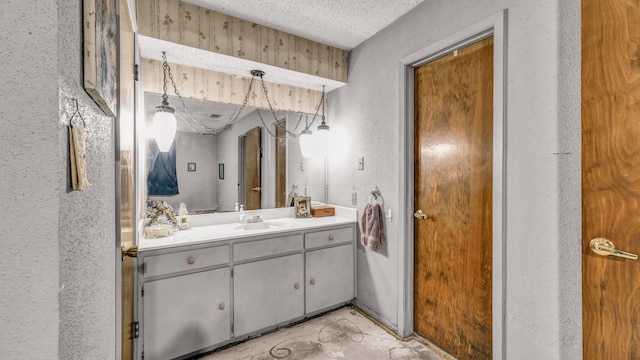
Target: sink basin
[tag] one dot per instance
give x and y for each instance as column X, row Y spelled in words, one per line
column 258, row 226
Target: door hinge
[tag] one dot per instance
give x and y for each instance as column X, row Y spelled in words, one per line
column 136, row 72
column 231, row 272
column 136, row 329
column 142, row 292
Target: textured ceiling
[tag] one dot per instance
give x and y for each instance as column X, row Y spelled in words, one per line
column 340, row 23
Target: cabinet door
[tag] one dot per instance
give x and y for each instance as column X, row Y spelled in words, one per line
column 267, row 292
column 330, row 277
column 186, row 313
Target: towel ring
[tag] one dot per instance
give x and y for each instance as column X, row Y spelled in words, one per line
column 375, row 194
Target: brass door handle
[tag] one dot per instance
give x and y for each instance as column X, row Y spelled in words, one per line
column 257, row 188
column 130, row 252
column 602, row 246
column 421, row 216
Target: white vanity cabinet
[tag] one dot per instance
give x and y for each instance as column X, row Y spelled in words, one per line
column 186, row 313
column 194, row 298
column 267, row 293
column 329, row 271
column 268, row 282
column 184, row 301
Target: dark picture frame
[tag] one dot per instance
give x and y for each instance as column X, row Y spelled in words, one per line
column 191, row 166
column 302, row 205
column 221, row 171
column 100, row 31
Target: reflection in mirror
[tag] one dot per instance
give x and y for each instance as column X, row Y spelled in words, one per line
column 260, row 171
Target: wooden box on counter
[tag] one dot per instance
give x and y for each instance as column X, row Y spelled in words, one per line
column 320, row 211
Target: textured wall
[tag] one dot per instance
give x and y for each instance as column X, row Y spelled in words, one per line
column 570, row 181
column 198, row 190
column 87, row 218
column 29, row 180
column 542, row 123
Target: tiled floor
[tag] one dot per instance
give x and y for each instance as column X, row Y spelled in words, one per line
column 341, row 334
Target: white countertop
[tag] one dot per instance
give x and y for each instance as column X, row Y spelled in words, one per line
column 229, row 231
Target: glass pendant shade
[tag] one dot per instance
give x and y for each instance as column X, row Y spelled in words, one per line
column 164, row 126
column 306, row 143
column 322, row 142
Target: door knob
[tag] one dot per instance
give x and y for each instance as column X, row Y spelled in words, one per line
column 257, row 188
column 421, row 216
column 130, row 252
column 602, row 246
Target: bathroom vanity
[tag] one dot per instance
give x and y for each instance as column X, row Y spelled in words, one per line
column 213, row 285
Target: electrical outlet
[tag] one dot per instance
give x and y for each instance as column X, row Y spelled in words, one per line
column 361, row 163
column 354, row 198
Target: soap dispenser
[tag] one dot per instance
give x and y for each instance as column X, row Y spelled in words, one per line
column 183, row 224
column 242, row 214
column 236, row 208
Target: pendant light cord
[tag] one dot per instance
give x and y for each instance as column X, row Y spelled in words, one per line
column 235, row 116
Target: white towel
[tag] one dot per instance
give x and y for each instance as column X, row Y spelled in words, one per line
column 78, row 158
column 372, row 223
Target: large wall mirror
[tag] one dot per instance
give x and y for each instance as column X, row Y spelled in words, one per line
column 243, row 164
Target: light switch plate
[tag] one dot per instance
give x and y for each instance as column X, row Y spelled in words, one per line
column 354, row 198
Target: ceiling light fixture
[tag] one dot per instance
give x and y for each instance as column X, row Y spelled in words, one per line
column 164, row 123
column 289, row 134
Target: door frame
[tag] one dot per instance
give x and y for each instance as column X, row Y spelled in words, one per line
column 495, row 26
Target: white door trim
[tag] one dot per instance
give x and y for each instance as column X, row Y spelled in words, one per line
column 495, row 25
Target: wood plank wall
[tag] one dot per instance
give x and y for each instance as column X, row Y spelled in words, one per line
column 191, row 25
column 201, row 84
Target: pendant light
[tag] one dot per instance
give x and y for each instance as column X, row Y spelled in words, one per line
column 315, row 145
column 164, row 123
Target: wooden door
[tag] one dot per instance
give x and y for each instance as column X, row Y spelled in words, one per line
column 127, row 203
column 252, row 166
column 453, row 186
column 611, row 177
column 281, row 164
column 267, row 292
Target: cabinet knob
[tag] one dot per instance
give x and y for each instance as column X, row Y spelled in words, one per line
column 221, row 306
column 330, row 237
column 296, row 286
column 191, row 261
column 312, row 281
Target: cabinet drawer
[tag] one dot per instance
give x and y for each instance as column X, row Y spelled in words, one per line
column 185, row 260
column 328, row 237
column 255, row 249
